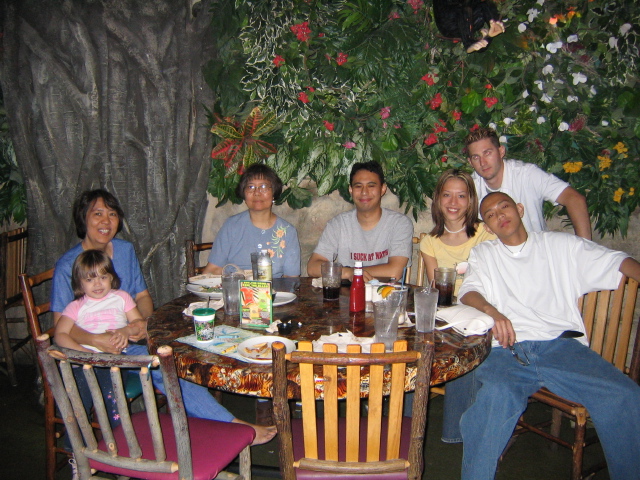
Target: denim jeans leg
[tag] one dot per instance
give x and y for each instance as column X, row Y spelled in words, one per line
column 460, row 395
column 198, row 402
column 613, row 400
column 488, row 424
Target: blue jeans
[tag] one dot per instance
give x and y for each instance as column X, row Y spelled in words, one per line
column 460, row 395
column 198, row 402
column 567, row 368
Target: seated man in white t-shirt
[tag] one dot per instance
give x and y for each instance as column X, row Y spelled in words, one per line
column 526, row 183
column 378, row 237
column 529, row 283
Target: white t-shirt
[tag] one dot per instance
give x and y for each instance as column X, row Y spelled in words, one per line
column 529, row 185
column 538, row 288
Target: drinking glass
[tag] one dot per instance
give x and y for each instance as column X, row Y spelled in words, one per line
column 386, row 314
column 331, row 279
column 445, row 280
column 425, row 300
column 231, row 292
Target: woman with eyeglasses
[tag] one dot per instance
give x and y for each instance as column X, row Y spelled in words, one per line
column 257, row 228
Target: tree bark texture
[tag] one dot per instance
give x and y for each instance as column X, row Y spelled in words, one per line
column 110, row 94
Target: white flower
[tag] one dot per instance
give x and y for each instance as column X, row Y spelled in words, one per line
column 592, row 90
column 503, row 139
column 532, row 14
column 493, row 126
column 558, row 81
column 554, row 46
column 522, row 27
column 563, row 127
column 508, row 121
column 525, row 94
column 578, row 78
column 605, row 123
column 540, row 2
column 572, row 98
column 548, row 69
column 533, row 108
column 625, row 28
column 539, row 84
column 541, row 120
column 572, row 38
column 613, row 42
column 546, row 98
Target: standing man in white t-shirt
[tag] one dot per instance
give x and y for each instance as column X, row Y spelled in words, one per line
column 378, row 237
column 526, row 183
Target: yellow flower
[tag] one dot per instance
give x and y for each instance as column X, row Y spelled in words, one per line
column 617, row 195
column 605, row 162
column 632, row 191
column 604, row 177
column 620, row 147
column 572, row 167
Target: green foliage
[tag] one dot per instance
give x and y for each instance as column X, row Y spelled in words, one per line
column 13, row 196
column 373, row 79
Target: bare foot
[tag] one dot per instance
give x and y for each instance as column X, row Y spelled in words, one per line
column 479, row 45
column 495, row 28
column 264, row 434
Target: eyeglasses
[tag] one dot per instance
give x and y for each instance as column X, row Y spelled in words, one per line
column 522, row 362
column 255, row 189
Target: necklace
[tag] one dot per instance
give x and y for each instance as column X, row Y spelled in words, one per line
column 518, row 252
column 457, row 231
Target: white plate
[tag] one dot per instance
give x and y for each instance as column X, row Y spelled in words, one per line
column 259, row 357
column 199, row 288
column 282, row 298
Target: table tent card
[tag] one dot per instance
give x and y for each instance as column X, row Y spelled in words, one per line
column 256, row 303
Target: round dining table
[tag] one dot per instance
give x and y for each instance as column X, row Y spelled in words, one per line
column 311, row 317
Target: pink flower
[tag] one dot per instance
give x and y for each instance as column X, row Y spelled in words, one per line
column 429, row 79
column 385, row 112
column 328, row 125
column 394, row 15
column 456, row 114
column 349, row 145
column 385, row 124
column 342, row 58
column 415, row 4
column 490, row 101
column 303, row 97
column 431, row 139
column 302, row 31
column 278, row 60
column 436, row 101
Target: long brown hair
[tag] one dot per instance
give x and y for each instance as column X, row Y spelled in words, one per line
column 471, row 219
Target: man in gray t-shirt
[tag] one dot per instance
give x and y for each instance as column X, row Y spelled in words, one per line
column 378, row 237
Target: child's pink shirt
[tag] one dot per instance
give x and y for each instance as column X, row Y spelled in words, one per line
column 98, row 316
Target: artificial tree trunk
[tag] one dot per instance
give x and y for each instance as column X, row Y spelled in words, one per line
column 110, row 94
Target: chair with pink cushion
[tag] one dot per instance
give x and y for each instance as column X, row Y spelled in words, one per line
column 148, row 444
column 381, row 446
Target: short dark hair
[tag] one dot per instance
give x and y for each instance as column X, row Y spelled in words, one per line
column 481, row 134
column 492, row 194
column 370, row 166
column 91, row 264
column 471, row 217
column 265, row 172
column 86, row 200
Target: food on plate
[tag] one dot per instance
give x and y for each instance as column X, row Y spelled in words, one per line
column 217, row 289
column 259, row 350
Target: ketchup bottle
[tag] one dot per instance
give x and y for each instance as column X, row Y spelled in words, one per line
column 356, row 294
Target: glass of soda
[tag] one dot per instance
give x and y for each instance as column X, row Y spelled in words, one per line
column 445, row 280
column 331, row 278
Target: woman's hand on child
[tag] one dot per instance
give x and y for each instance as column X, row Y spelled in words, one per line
column 120, row 337
column 102, row 341
column 137, row 330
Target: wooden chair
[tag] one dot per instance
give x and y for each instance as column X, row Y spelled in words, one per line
column 380, row 447
column 192, row 251
column 53, row 424
column 420, row 271
column 608, row 318
column 13, row 250
column 148, row 441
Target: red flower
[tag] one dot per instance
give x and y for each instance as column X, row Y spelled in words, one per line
column 429, row 79
column 328, row 125
column 342, row 58
column 488, row 86
column 578, row 124
column 320, row 35
column 303, row 97
column 435, row 102
column 456, row 114
column 302, row 31
column 474, row 128
column 278, row 60
column 444, row 159
column 440, row 128
column 449, row 83
column 431, row 139
column 490, row 101
column 311, row 89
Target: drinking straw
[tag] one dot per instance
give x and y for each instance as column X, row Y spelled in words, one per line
column 404, row 274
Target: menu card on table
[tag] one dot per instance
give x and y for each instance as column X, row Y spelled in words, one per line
column 256, row 304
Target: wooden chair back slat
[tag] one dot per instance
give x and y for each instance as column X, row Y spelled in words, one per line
column 380, row 381
column 376, row 392
column 307, row 390
column 192, row 251
column 13, row 261
column 353, row 407
column 330, row 394
column 420, row 269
